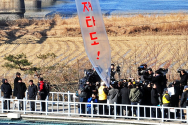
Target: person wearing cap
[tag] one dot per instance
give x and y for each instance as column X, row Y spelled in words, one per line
column 7, row 91
column 32, row 92
column 102, row 93
column 184, row 101
column 21, row 88
column 166, row 102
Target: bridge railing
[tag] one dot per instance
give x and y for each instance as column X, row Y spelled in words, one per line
column 115, row 111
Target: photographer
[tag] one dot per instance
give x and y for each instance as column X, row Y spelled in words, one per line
column 142, row 71
column 183, row 76
column 157, row 80
column 148, row 75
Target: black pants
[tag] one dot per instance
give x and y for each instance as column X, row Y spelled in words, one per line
column 21, row 105
column 43, row 97
column 7, row 104
column 101, row 107
column 32, row 104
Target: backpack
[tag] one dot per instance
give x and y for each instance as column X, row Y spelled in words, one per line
column 80, row 92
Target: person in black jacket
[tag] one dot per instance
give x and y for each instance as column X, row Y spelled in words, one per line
column 124, row 92
column 7, row 90
column 154, row 100
column 21, row 88
column 184, row 102
column 32, row 92
column 184, row 77
column 16, row 84
column 157, row 80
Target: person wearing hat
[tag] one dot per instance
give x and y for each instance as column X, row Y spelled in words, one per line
column 184, row 101
column 7, row 91
column 166, row 102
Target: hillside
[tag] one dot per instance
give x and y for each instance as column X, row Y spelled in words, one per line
column 159, row 41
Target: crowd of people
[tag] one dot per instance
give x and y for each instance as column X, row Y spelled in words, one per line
column 20, row 89
column 151, row 89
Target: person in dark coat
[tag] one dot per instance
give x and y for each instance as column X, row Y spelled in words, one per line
column 32, row 92
column 154, row 100
column 184, row 102
column 184, row 77
column 124, row 92
column 147, row 98
column 7, row 90
column 157, row 81
column 21, row 88
column 16, row 84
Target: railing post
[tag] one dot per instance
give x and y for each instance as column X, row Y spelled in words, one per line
column 26, row 94
column 47, row 107
column 24, row 102
column 138, row 113
column 68, row 103
column 114, row 110
column 187, row 113
column 2, row 104
column 92, row 109
column 162, row 114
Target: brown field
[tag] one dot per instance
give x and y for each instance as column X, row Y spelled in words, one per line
column 159, row 41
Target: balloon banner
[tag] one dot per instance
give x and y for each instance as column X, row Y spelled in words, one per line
column 95, row 38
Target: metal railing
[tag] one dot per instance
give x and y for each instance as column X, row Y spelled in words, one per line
column 54, row 96
column 73, row 108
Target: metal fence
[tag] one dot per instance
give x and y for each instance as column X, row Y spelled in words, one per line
column 73, row 108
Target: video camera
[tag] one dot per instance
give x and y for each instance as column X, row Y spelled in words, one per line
column 185, row 70
column 142, row 69
column 162, row 71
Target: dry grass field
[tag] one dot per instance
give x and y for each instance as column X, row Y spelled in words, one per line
column 159, row 41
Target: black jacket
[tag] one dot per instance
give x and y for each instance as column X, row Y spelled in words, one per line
column 6, row 89
column 32, row 91
column 124, row 92
column 158, row 81
column 183, row 102
column 21, row 88
column 15, row 86
column 183, row 80
column 154, row 97
column 147, row 96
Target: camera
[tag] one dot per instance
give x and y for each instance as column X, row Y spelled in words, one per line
column 162, row 71
column 142, row 69
column 184, row 70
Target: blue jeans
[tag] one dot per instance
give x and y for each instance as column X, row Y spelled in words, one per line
column 134, row 108
column 88, row 110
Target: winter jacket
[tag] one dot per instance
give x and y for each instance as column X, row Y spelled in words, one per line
column 183, row 102
column 32, row 91
column 135, row 95
column 158, row 81
column 113, row 95
column 21, row 88
column 125, row 92
column 6, row 89
column 15, row 93
column 183, row 80
column 154, row 97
